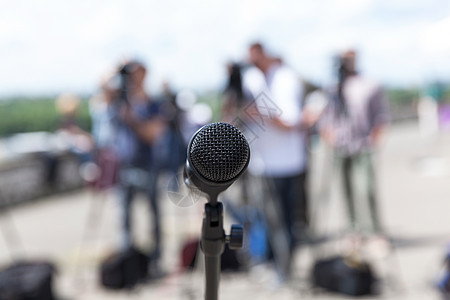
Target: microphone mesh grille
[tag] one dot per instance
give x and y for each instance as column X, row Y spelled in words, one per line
column 219, row 152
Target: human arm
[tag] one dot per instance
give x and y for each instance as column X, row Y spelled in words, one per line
column 378, row 116
column 148, row 129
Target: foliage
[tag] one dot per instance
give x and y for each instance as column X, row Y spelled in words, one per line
column 402, row 96
column 28, row 115
column 40, row 114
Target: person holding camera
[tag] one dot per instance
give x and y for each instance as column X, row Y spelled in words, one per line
column 138, row 126
column 352, row 125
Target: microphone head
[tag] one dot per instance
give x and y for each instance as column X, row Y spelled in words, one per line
column 219, row 153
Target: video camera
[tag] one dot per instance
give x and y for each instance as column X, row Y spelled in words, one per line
column 125, row 72
column 345, row 64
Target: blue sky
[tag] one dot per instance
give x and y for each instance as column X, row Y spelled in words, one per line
column 52, row 46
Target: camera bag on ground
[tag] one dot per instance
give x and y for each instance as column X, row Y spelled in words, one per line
column 344, row 275
column 124, row 269
column 22, row 279
column 26, row 280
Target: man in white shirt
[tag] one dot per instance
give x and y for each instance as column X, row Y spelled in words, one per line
column 278, row 148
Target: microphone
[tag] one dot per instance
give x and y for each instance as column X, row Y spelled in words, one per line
column 217, row 155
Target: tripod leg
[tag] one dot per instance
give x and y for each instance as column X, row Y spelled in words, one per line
column 90, row 228
column 11, row 236
column 10, row 233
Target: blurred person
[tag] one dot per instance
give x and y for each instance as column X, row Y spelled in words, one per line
column 102, row 113
column 100, row 108
column 233, row 94
column 172, row 152
column 194, row 114
column 240, row 202
column 138, row 126
column 79, row 140
column 278, row 151
column 353, row 124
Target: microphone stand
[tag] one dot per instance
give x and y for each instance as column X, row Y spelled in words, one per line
column 213, row 244
column 213, row 237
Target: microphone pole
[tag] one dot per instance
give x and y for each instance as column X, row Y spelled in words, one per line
column 212, row 245
column 217, row 155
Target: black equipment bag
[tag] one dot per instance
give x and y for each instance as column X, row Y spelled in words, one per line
column 124, row 269
column 27, row 280
column 344, row 275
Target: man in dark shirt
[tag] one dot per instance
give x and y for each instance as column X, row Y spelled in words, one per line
column 138, row 127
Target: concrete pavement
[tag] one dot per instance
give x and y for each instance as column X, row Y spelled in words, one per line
column 413, row 179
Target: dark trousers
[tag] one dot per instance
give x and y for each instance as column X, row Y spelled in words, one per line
column 292, row 195
column 137, row 180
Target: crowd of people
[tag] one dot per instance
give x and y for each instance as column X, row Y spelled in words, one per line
column 269, row 105
column 137, row 137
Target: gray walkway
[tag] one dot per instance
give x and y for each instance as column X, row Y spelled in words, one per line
column 413, row 179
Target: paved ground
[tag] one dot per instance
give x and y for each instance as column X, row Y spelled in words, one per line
column 414, row 173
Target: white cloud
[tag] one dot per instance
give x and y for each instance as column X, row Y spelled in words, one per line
column 434, row 38
column 66, row 45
